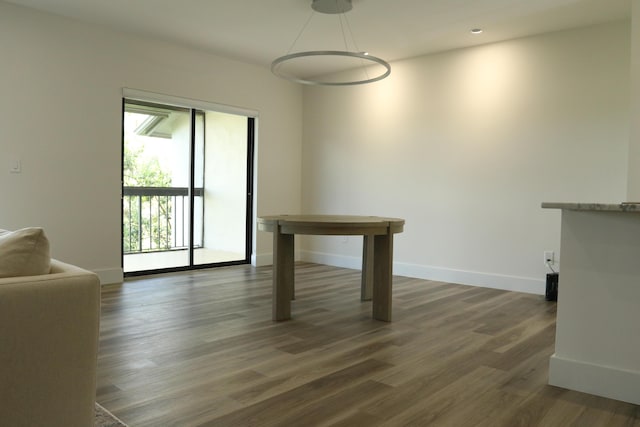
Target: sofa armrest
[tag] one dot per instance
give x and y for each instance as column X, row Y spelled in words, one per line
column 49, row 329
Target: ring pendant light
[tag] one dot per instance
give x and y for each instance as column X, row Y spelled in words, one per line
column 362, row 61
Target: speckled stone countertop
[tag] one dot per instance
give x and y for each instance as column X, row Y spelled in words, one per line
column 609, row 207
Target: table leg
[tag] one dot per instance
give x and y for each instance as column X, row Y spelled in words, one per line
column 283, row 274
column 382, row 272
column 367, row 268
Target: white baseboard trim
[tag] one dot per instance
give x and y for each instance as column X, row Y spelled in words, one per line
column 260, row 260
column 343, row 261
column 472, row 278
column 263, row 259
column 605, row 381
column 110, row 276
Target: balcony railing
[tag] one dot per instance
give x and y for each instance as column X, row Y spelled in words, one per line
column 157, row 219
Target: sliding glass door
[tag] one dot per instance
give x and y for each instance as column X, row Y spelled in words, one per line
column 187, row 196
column 222, row 211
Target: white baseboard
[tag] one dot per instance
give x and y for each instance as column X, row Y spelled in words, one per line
column 472, row 278
column 109, row 276
column 260, row 260
column 263, row 259
column 343, row 261
column 605, row 381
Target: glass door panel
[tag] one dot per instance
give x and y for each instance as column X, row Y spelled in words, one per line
column 223, row 177
column 156, row 181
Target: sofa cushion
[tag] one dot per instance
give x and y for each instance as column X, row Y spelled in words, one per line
column 24, row 252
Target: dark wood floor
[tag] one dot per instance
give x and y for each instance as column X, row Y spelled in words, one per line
column 199, row 349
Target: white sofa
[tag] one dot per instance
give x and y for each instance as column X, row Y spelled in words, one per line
column 49, row 327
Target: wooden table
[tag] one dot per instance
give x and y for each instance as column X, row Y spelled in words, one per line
column 377, row 255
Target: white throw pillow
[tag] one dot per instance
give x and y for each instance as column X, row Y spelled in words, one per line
column 24, row 252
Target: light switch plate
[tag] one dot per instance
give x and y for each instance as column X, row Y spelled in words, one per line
column 15, row 166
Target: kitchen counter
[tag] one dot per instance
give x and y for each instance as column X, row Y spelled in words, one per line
column 597, row 347
column 608, row 207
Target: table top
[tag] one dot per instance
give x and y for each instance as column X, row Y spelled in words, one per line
column 331, row 224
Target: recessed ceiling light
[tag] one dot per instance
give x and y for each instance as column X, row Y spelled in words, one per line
column 476, row 31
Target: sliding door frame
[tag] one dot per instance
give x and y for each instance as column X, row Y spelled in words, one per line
column 136, row 96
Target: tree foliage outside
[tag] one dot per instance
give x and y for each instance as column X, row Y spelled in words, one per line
column 146, row 218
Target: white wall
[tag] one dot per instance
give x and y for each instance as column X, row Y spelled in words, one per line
column 60, row 113
column 225, row 182
column 633, row 192
column 465, row 145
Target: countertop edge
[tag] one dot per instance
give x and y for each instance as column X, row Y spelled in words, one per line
column 633, row 207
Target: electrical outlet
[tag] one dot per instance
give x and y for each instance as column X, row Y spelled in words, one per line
column 549, row 258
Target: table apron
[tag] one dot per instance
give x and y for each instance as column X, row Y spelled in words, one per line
column 334, row 230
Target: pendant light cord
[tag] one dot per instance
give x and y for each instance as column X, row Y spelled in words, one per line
column 306, row 24
column 353, row 39
column 341, row 15
column 344, row 37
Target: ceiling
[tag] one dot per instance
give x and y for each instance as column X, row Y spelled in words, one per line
column 258, row 31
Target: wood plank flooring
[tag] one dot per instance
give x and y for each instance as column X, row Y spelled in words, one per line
column 199, row 349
